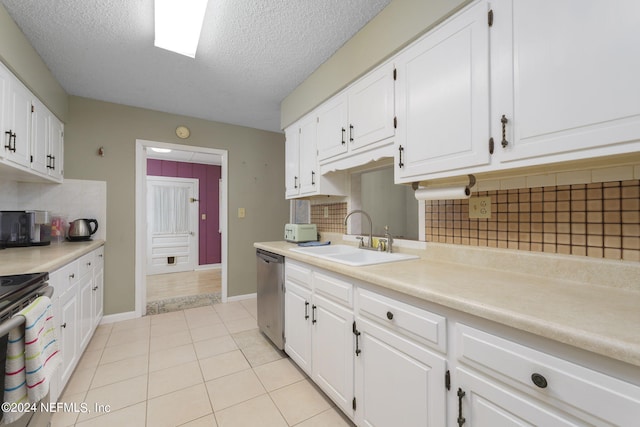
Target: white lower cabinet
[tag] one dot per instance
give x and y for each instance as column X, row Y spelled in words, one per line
column 398, row 382
column 388, row 359
column 77, row 309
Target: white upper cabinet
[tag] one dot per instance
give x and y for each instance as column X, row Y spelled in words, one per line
column 301, row 163
column 443, row 99
column 565, row 77
column 333, row 127
column 354, row 125
column 371, row 108
column 32, row 137
column 17, row 132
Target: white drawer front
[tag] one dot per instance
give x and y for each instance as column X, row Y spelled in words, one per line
column 99, row 256
column 333, row 288
column 298, row 274
column 68, row 276
column 429, row 327
column 85, row 263
column 567, row 385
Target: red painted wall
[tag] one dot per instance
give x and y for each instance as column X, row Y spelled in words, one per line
column 208, row 176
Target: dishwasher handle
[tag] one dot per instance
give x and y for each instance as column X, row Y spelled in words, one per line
column 269, row 257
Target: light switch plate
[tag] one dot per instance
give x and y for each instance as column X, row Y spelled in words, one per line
column 326, row 212
column 480, row 207
column 241, row 213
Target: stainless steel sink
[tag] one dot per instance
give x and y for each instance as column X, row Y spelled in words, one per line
column 351, row 255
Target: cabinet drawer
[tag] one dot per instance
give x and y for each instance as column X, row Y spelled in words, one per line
column 550, row 378
column 297, row 273
column 429, row 328
column 66, row 277
column 99, row 256
column 333, row 288
column 85, row 263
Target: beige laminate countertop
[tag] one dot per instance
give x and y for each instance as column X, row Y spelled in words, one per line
column 49, row 258
column 602, row 319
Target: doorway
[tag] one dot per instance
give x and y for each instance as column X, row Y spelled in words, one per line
column 203, row 278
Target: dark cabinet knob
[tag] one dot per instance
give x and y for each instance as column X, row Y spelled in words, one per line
column 389, row 315
column 539, row 380
column 64, row 325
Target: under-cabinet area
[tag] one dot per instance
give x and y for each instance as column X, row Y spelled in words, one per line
column 442, row 343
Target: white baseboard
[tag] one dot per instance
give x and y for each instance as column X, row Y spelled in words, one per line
column 112, row 318
column 208, row 267
column 241, row 297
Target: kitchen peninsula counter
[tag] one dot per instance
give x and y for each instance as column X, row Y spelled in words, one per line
column 587, row 303
column 49, row 258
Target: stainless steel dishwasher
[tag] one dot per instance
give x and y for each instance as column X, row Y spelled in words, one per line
column 271, row 296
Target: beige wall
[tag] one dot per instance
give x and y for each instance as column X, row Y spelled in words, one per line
column 22, row 59
column 401, row 22
column 256, row 183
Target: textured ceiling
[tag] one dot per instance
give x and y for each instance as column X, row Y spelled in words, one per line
column 252, row 53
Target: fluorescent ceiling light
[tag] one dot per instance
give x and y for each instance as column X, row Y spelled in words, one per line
column 161, row 150
column 178, row 25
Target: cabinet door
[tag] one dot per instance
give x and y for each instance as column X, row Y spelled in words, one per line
column 398, row 380
column 40, row 138
column 56, row 148
column 488, row 403
column 566, row 79
column 5, row 77
column 69, row 330
column 292, row 162
column 308, row 156
column 98, row 295
column 371, row 108
column 85, row 301
column 443, row 99
column 332, row 132
column 16, row 148
column 297, row 325
column 333, row 351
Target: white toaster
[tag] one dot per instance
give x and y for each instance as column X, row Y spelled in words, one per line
column 300, row 233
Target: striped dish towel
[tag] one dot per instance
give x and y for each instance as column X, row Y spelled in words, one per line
column 32, row 356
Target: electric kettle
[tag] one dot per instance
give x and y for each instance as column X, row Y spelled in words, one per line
column 81, row 229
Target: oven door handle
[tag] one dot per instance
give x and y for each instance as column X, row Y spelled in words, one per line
column 16, row 321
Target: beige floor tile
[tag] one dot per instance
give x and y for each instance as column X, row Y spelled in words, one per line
column 80, row 381
column 239, row 325
column 278, row 374
column 206, row 421
column 329, row 418
column 128, row 336
column 178, row 407
column 125, row 325
column 259, row 411
column 103, row 329
column 233, row 389
column 251, row 305
column 170, row 317
column 90, row 359
column 249, row 338
column 174, row 379
column 261, row 353
column 117, row 396
column 231, row 311
column 171, row 357
column 124, row 351
column 121, row 370
column 170, row 341
column 214, row 346
column 202, row 316
column 134, row 415
column 167, row 328
column 300, row 401
column 98, row 342
column 67, row 418
column 223, row 364
column 209, row 331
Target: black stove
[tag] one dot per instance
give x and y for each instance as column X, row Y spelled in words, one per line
column 15, row 288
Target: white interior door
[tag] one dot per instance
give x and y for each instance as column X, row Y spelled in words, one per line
column 172, row 224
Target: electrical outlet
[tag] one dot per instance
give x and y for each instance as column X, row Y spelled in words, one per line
column 326, row 211
column 480, row 207
column 241, row 213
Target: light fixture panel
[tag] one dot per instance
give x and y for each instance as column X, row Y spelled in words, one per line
column 178, row 24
